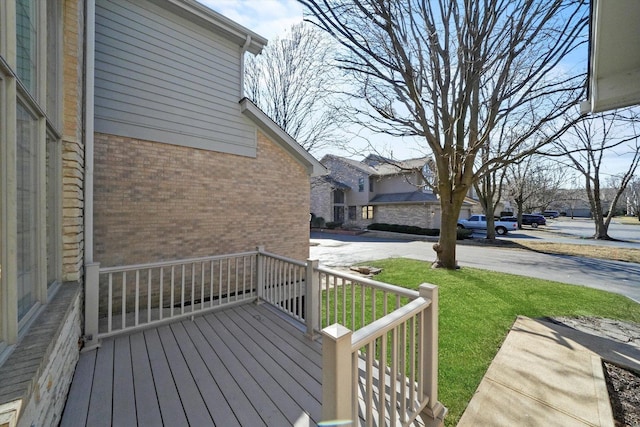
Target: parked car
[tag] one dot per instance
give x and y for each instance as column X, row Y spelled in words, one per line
column 551, row 214
column 533, row 220
column 479, row 222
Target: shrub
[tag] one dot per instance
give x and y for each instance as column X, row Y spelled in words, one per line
column 317, row 222
column 333, row 224
column 464, row 234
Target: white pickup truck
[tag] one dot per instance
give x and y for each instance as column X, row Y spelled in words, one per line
column 479, row 222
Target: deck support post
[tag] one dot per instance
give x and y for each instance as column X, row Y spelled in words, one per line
column 260, row 273
column 434, row 413
column 311, row 302
column 91, row 305
column 337, row 390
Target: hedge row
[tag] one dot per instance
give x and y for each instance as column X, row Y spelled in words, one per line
column 411, row 229
column 407, row 229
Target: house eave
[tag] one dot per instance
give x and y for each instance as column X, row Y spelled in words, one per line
column 284, row 140
column 210, row 19
column 614, row 72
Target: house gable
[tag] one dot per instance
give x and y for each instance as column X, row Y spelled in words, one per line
column 160, row 76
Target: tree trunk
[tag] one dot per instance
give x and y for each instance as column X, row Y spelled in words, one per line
column 446, row 247
column 519, row 205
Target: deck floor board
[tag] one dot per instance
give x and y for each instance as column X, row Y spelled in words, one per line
column 241, row 366
column 147, row 407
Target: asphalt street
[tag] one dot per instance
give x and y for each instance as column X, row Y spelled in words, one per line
column 335, row 250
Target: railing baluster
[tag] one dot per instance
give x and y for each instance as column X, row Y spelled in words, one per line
column 220, row 282
column 149, row 295
column 193, row 286
column 369, row 383
column 124, row 300
column 110, row 305
column 212, row 265
column 236, row 289
column 382, row 380
column 202, row 298
column 412, row 362
column 182, row 289
column 137, row 299
column 244, row 277
column 393, row 403
column 161, row 300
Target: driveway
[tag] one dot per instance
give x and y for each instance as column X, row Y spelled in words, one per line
column 335, row 250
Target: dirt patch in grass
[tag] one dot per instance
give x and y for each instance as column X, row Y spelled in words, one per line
column 590, row 251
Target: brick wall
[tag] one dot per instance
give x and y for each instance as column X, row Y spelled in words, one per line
column 156, row 201
column 72, row 143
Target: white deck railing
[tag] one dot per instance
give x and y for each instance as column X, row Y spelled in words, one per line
column 379, row 340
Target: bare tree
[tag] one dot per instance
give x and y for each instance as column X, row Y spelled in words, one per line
column 295, row 82
column 585, row 148
column 534, row 183
column 633, row 197
column 449, row 72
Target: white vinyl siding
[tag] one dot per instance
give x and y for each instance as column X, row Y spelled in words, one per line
column 162, row 78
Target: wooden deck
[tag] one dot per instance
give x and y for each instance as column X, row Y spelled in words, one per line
column 240, row 366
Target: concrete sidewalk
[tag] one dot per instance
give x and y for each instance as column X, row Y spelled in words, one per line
column 547, row 374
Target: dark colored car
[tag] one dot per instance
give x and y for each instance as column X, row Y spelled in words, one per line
column 529, row 219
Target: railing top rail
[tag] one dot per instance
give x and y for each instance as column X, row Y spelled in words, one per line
column 284, row 258
column 133, row 267
column 383, row 325
column 404, row 292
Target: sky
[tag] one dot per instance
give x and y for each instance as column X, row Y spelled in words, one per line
column 270, row 18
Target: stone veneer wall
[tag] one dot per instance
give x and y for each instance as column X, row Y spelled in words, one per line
column 48, row 377
column 157, row 201
column 321, row 195
column 72, row 142
column 409, row 214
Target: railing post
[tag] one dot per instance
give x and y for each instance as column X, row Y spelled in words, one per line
column 260, row 273
column 91, row 305
column 434, row 413
column 311, row 303
column 337, row 393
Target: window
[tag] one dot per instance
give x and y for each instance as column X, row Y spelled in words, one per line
column 360, row 185
column 352, row 213
column 367, row 212
column 370, row 184
column 27, row 44
column 27, row 200
column 338, row 196
column 30, row 162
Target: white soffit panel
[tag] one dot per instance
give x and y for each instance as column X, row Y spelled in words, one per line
column 615, row 55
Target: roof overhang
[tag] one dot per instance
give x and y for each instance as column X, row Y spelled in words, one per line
column 275, row 132
column 614, row 57
column 212, row 20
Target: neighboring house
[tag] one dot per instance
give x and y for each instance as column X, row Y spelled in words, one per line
column 124, row 139
column 377, row 190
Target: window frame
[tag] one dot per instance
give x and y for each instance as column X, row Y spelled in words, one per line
column 12, row 93
column 367, row 212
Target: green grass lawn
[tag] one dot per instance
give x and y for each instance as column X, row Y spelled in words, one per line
column 477, row 308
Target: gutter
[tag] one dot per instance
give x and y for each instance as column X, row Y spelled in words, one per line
column 89, row 79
